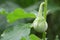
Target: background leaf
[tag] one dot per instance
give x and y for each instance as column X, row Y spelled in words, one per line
column 19, row 14
column 16, row 32
column 34, row 37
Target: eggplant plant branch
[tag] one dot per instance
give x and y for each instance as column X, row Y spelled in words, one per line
column 45, row 9
column 45, row 14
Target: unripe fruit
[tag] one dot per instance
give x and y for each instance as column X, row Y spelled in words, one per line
column 40, row 24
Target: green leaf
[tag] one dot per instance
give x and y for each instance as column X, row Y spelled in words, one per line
column 16, row 32
column 23, row 38
column 31, row 37
column 19, row 14
column 2, row 11
column 34, row 37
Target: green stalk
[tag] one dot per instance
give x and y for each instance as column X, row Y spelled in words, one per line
column 45, row 14
column 44, row 35
column 45, row 9
column 40, row 9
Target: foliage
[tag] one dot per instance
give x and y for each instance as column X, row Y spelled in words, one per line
column 19, row 14
column 14, row 10
column 16, row 32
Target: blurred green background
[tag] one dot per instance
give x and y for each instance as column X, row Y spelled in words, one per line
column 53, row 15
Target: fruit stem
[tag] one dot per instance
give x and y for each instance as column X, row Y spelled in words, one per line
column 40, row 9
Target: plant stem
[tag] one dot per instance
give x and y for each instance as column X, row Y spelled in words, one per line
column 45, row 14
column 44, row 35
column 45, row 9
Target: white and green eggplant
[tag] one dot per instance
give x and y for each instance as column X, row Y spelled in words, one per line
column 40, row 24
